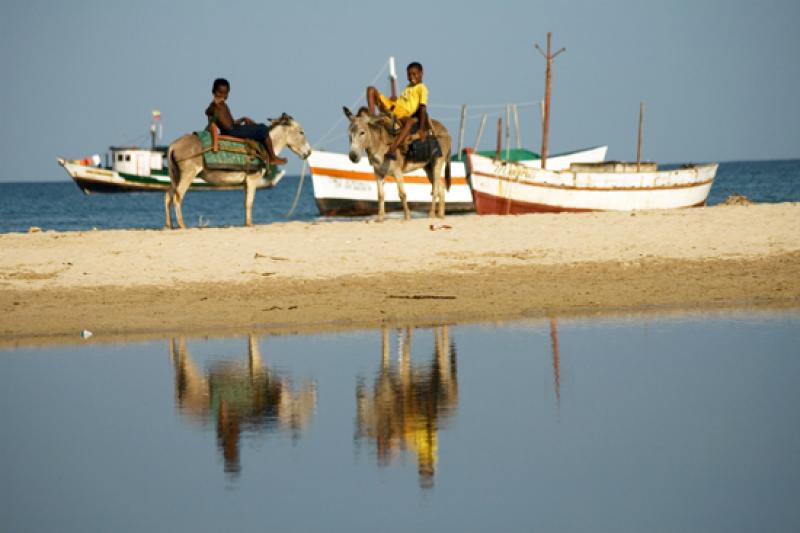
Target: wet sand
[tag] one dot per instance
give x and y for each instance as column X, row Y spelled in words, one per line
column 302, row 276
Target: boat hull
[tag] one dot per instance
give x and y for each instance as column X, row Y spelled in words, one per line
column 102, row 180
column 500, row 188
column 344, row 188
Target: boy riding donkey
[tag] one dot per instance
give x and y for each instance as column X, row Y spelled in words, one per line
column 246, row 128
column 408, row 109
column 376, row 136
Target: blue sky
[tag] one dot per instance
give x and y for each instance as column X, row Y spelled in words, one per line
column 720, row 79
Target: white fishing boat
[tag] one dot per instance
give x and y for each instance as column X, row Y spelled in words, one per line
column 137, row 169
column 344, row 188
column 506, row 187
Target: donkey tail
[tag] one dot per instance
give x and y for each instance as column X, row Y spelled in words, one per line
column 447, row 179
column 174, row 171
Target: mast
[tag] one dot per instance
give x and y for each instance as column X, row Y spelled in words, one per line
column 155, row 124
column 639, row 141
column 549, row 57
column 392, row 76
column 461, row 130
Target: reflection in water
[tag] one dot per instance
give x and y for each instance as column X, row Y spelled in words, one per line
column 409, row 402
column 556, row 360
column 239, row 397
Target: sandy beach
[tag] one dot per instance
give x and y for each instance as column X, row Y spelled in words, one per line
column 301, row 276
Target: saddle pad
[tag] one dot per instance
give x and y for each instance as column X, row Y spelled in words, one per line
column 232, row 155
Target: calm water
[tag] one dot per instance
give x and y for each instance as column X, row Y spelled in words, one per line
column 62, row 206
column 637, row 424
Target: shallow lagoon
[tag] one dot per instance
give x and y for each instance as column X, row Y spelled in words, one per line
column 639, row 423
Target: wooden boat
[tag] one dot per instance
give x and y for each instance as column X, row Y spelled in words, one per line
column 344, row 188
column 137, row 169
column 506, row 187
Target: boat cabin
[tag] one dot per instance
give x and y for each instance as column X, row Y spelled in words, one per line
column 137, row 161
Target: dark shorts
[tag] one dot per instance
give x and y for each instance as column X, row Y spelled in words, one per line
column 257, row 132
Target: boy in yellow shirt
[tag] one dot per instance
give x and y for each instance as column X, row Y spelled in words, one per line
column 409, row 108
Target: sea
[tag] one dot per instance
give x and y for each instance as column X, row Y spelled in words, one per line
column 61, row 206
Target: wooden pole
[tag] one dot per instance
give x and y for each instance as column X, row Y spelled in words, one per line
column 461, row 130
column 516, row 125
column 508, row 130
column 549, row 57
column 480, row 132
column 639, row 141
column 499, row 138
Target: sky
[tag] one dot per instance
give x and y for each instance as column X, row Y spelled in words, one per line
column 720, row 80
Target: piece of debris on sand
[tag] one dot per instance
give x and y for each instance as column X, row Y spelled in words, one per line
column 737, row 199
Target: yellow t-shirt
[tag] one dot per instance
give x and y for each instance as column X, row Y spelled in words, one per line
column 410, row 99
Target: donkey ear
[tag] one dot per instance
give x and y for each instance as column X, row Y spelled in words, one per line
column 347, row 113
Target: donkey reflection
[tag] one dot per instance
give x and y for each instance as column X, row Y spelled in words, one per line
column 409, row 402
column 239, row 397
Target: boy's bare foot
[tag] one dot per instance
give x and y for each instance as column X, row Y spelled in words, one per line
column 275, row 160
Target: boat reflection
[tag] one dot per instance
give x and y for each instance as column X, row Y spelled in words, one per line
column 409, row 402
column 240, row 397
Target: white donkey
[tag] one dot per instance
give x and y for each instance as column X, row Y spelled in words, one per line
column 185, row 158
column 369, row 134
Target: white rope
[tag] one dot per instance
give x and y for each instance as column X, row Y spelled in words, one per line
column 299, row 188
column 483, row 106
column 353, row 105
column 325, row 138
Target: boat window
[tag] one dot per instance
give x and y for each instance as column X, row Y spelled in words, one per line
column 127, row 157
column 119, row 157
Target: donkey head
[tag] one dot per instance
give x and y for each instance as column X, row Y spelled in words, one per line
column 292, row 135
column 361, row 138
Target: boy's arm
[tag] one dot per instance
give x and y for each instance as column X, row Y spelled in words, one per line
column 224, row 116
column 210, row 110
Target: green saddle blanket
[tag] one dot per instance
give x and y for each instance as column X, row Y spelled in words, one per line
column 243, row 156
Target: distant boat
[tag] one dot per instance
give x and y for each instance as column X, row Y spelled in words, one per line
column 506, row 187
column 137, row 169
column 344, row 188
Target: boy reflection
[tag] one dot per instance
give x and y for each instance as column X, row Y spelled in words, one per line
column 240, row 397
column 409, row 402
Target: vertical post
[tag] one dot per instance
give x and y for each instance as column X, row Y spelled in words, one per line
column 392, row 77
column 639, row 141
column 508, row 130
column 461, row 130
column 549, row 57
column 480, row 133
column 499, row 138
column 541, row 112
column 516, row 125
column 154, row 124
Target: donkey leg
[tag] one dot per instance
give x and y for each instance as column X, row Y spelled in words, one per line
column 249, row 197
column 381, row 208
column 401, row 192
column 167, row 206
column 429, row 170
column 440, row 188
column 177, row 199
